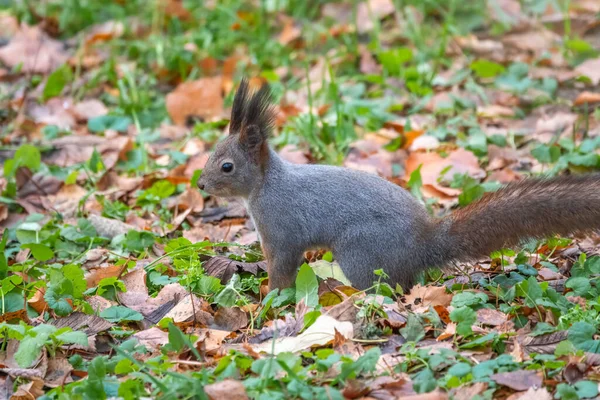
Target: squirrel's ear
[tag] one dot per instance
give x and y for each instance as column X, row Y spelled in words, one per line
column 254, row 143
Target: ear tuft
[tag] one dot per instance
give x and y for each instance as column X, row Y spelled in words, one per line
column 252, row 109
column 252, row 118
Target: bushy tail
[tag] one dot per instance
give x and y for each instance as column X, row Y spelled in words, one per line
column 530, row 208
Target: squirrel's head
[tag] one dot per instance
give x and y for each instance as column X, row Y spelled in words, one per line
column 238, row 163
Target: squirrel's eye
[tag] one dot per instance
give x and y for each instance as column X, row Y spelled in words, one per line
column 227, row 167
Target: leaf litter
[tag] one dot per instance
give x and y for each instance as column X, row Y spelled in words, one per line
column 119, row 277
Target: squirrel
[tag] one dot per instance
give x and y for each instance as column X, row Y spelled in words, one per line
column 368, row 222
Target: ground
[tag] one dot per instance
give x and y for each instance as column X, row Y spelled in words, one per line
column 119, row 278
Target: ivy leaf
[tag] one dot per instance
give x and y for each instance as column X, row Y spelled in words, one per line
column 486, row 68
column 139, row 241
column 307, row 287
column 581, row 334
column 465, row 318
column 121, row 313
column 57, row 295
column 464, row 299
column 104, row 122
column 581, row 286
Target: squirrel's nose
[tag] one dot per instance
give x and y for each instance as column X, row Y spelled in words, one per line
column 200, row 186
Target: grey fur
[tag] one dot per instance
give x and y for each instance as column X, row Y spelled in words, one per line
column 370, row 223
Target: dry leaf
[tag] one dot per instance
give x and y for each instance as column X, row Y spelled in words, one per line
column 532, row 394
column 201, row 98
column 458, row 162
column 370, row 10
column 591, row 69
column 518, row 380
column 469, row 392
column 152, row 338
column 32, row 48
column 226, row 389
column 491, row 317
column 318, row 334
column 428, row 296
column 231, row 318
column 587, row 97
column 449, row 332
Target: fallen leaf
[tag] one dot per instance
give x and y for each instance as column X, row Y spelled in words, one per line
column 201, row 98
column 224, row 267
column 532, row 394
column 88, row 109
column 59, row 372
column 458, row 162
column 491, row 317
column 226, row 389
column 32, row 48
column 428, row 296
column 231, row 318
column 468, row 392
column 370, row 10
column 587, row 98
column 449, row 332
column 591, row 69
column 152, row 338
column 518, row 380
column 318, row 334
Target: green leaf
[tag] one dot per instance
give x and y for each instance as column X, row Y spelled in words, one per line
column 469, row 299
column 74, row 337
column 95, row 163
column 586, row 389
column 307, row 287
column 74, row 273
column 3, row 262
column 114, row 122
column 460, row 369
column 581, row 334
column 546, row 154
column 121, row 313
column 486, row 68
column 57, row 295
column 40, row 252
column 139, row 241
column 228, row 296
column 179, row 340
column 31, row 346
column 465, row 318
column 581, row 286
column 424, row 381
column 57, row 81
column 208, row 285
column 392, row 60
column 413, row 331
column 26, row 156
column 415, row 183
column 565, row 391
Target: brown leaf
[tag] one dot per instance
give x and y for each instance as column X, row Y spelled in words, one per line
column 107, row 227
column 491, row 317
column 190, row 199
column 214, row 233
column 152, row 338
column 290, row 31
column 370, row 10
column 587, row 98
column 78, row 321
column 88, row 109
column 32, row 48
column 224, row 268
column 449, row 332
column 231, row 318
column 591, row 69
column 59, row 372
column 469, row 392
column 226, row 389
column 39, row 184
column 289, row 326
column 201, row 98
column 458, row 162
column 30, row 390
column 435, row 395
column 518, row 380
column 428, row 296
column 532, row 394
column 37, row 302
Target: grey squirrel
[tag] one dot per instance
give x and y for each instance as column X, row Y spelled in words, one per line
column 367, row 222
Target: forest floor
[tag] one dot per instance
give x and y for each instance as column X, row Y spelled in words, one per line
column 120, row 279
